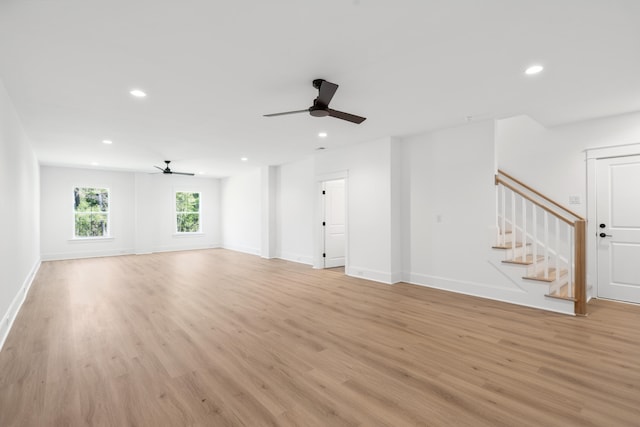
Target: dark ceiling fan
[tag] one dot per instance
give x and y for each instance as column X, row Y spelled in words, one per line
column 320, row 107
column 168, row 170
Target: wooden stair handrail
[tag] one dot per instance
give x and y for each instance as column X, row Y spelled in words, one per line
column 537, row 193
column 529, row 198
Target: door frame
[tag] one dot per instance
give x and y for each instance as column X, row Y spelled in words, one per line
column 592, row 155
column 318, row 233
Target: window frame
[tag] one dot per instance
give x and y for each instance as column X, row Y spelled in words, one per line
column 176, row 212
column 109, row 235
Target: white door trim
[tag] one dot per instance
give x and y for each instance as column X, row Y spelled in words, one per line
column 592, row 155
column 318, row 233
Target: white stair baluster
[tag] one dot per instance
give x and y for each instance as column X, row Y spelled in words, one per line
column 504, row 219
column 514, row 227
column 557, row 249
column 546, row 245
column 570, row 241
column 524, row 229
column 534, row 238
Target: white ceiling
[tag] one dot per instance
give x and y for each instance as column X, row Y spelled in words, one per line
column 213, row 68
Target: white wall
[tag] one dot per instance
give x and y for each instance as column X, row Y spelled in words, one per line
column 369, row 193
column 157, row 198
column 19, row 216
column 57, row 226
column 297, row 195
column 240, row 200
column 141, row 213
column 552, row 160
column 451, row 211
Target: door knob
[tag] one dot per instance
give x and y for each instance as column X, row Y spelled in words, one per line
column 605, row 235
column 602, row 226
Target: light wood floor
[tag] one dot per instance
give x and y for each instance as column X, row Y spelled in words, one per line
column 217, row 338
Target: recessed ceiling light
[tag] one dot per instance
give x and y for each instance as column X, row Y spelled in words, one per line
column 200, row 173
column 107, row 141
column 138, row 93
column 94, row 163
column 534, row 69
column 322, row 134
column 244, row 159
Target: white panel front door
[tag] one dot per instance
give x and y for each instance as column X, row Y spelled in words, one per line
column 334, row 223
column 618, row 228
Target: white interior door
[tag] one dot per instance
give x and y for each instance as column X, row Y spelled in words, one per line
column 334, row 223
column 618, row 228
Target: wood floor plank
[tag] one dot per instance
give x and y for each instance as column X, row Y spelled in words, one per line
column 216, row 337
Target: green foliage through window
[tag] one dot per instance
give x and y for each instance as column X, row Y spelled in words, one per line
column 187, row 212
column 91, row 211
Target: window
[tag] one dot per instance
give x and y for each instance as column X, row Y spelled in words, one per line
column 187, row 212
column 91, row 212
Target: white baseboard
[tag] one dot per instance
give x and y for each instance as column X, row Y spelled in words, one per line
column 512, row 295
column 243, row 249
column 374, row 275
column 173, row 248
column 16, row 304
column 302, row 259
column 59, row 256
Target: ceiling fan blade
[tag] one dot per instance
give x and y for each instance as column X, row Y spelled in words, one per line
column 285, row 113
column 158, row 167
column 346, row 116
column 182, row 173
column 327, row 90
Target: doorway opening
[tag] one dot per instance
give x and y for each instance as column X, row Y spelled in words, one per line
column 334, row 215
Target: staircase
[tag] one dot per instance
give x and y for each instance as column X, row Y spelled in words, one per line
column 543, row 238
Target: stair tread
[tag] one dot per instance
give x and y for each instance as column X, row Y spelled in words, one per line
column 561, row 293
column 540, row 276
column 508, row 245
column 557, row 296
column 528, row 260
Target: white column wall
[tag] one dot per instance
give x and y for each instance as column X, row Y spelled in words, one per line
column 241, row 198
column 19, row 216
column 295, row 206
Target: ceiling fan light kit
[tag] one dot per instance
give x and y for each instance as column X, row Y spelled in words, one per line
column 320, row 107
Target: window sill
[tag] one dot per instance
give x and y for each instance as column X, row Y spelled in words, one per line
column 198, row 234
column 90, row 239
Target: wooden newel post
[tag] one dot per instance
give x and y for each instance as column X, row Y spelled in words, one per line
column 580, row 305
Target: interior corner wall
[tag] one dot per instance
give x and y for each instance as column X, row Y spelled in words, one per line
column 241, row 220
column 552, row 160
column 397, row 249
column 20, row 195
column 268, row 211
column 295, row 204
column 141, row 213
column 451, row 206
column 369, row 207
